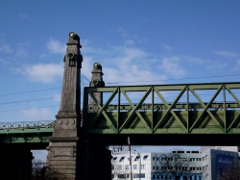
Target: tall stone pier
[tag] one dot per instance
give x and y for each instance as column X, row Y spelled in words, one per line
column 73, row 154
column 62, row 149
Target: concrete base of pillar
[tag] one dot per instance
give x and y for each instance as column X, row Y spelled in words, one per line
column 90, row 161
column 61, row 162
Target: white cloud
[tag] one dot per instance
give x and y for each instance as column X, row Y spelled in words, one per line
column 23, row 16
column 37, row 114
column 167, row 47
column 129, row 42
column 56, row 47
column 45, row 73
column 237, row 65
column 226, row 54
column 4, row 61
column 216, row 66
column 21, row 52
column 5, row 48
column 122, row 32
column 124, row 65
column 172, row 66
column 57, row 98
column 196, row 60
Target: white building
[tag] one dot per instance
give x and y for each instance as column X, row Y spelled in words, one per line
column 211, row 164
column 141, row 166
column 157, row 166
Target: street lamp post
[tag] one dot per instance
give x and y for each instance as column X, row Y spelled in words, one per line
column 139, row 166
column 130, row 159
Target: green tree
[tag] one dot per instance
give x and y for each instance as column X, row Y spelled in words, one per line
column 175, row 164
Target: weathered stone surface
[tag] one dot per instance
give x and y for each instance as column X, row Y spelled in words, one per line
column 71, row 155
column 96, row 81
column 62, row 149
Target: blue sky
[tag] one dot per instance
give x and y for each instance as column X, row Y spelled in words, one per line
column 136, row 41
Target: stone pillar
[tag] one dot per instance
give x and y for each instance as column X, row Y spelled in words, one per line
column 96, row 160
column 95, row 157
column 96, row 81
column 16, row 163
column 63, row 145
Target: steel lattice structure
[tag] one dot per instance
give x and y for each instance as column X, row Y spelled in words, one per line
column 164, row 109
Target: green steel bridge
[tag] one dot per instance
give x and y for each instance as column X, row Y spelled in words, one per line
column 209, row 112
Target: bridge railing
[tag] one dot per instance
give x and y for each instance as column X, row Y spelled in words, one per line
column 26, row 125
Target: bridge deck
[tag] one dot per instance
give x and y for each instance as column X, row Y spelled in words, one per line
column 26, row 132
column 211, row 111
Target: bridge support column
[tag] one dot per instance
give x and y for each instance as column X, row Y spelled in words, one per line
column 95, row 161
column 16, row 163
column 63, row 145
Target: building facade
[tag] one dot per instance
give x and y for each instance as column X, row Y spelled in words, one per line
column 182, row 165
column 216, row 162
column 211, row 164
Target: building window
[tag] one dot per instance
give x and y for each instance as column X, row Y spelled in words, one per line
column 153, row 158
column 126, row 167
column 137, row 158
column 114, row 159
column 119, row 167
column 138, row 175
column 123, row 176
column 143, row 166
column 145, row 157
column 122, row 158
column 134, row 166
column 153, row 176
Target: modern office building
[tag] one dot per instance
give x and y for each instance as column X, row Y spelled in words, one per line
column 183, row 165
column 225, row 148
column 216, row 162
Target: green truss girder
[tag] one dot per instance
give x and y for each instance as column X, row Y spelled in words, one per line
column 13, row 136
column 26, row 134
column 154, row 113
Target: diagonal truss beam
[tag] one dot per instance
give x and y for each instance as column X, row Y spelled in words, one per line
column 238, row 115
column 134, row 109
column 170, row 108
column 102, row 109
column 205, row 108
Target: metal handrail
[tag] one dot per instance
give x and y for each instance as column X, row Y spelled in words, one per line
column 27, row 125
